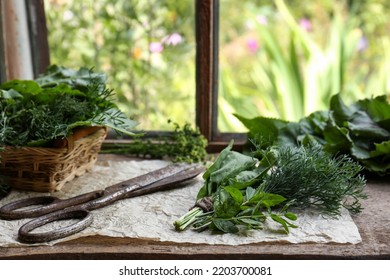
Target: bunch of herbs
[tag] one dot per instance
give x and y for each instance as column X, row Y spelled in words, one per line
column 183, row 144
column 35, row 112
column 243, row 191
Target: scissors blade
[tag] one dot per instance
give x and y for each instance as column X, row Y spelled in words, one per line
column 154, row 176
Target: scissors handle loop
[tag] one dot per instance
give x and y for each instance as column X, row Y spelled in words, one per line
column 26, row 236
column 47, row 204
column 15, row 211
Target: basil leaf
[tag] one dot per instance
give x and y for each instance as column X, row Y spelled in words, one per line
column 249, row 193
column 235, row 194
column 225, row 226
column 267, row 199
column 224, row 205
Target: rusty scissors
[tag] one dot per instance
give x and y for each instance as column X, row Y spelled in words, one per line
column 49, row 209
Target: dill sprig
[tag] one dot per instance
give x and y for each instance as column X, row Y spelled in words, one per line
column 308, row 176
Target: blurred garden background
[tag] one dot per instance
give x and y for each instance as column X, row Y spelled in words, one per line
column 282, row 59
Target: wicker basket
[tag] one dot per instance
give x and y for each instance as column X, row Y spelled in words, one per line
column 48, row 169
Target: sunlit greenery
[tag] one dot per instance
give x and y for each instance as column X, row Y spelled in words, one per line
column 146, row 48
column 277, row 58
column 286, row 59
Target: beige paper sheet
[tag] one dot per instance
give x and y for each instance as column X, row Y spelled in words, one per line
column 152, row 216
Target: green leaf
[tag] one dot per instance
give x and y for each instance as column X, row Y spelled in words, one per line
column 337, row 138
column 248, row 178
column 77, row 79
column 116, row 120
column 249, row 193
column 226, row 170
column 224, row 205
column 361, row 125
column 22, row 86
column 235, row 194
column 225, row 226
column 263, row 129
column 378, row 108
column 281, row 221
column 268, row 200
column 341, row 112
column 359, row 152
column 290, row 216
column 289, row 135
column 232, row 165
column 10, row 94
column 203, row 192
column 380, row 167
column 219, row 161
column 286, row 225
column 381, row 149
column 251, row 222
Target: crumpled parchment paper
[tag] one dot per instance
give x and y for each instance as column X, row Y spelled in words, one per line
column 151, row 216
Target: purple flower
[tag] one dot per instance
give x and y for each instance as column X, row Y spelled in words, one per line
column 173, row 39
column 262, row 19
column 305, row 24
column 362, row 44
column 156, row 47
column 252, row 45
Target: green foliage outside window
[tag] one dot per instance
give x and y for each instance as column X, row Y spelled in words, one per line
column 146, row 49
column 286, row 59
column 281, row 59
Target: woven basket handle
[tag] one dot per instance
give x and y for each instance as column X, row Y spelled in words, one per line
column 78, row 133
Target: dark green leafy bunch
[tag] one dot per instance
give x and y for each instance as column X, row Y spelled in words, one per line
column 242, row 191
column 34, row 112
column 183, row 144
column 361, row 131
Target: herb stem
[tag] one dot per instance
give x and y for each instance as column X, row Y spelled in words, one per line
column 190, row 217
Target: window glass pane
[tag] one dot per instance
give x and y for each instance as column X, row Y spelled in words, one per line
column 146, row 48
column 285, row 59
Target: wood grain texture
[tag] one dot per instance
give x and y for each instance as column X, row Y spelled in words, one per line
column 204, row 66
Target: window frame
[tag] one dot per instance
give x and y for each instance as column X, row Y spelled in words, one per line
column 38, row 35
column 207, row 63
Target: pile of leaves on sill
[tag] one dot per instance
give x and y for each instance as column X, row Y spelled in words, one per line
column 182, row 144
column 361, row 130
